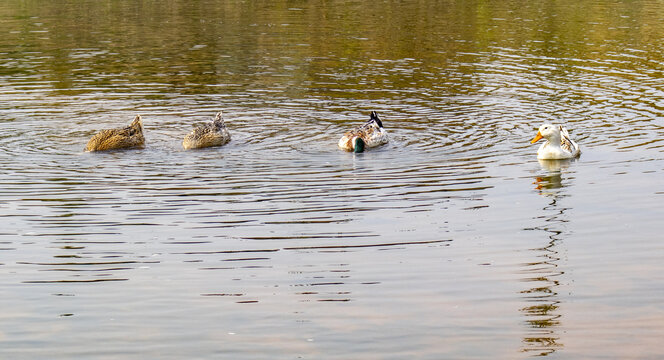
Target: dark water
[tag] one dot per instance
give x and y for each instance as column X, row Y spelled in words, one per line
column 451, row 242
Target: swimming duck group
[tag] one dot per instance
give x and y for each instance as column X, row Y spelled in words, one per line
column 558, row 145
column 131, row 137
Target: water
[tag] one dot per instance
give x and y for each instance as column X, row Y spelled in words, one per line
column 453, row 241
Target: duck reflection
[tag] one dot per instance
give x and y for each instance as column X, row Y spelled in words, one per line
column 543, row 313
column 553, row 179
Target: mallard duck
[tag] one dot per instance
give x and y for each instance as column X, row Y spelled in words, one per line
column 558, row 144
column 207, row 135
column 130, row 137
column 369, row 135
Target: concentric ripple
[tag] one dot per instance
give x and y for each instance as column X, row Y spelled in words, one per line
column 450, row 236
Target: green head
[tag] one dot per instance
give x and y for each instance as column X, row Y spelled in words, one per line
column 358, row 145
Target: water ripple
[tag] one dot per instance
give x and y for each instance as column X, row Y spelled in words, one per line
column 283, row 223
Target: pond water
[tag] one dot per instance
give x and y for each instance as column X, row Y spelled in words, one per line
column 451, row 242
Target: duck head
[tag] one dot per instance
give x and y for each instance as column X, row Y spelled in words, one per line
column 358, row 145
column 549, row 132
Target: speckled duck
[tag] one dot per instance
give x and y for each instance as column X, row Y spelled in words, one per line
column 208, row 135
column 130, row 137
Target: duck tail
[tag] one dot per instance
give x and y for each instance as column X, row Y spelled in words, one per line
column 219, row 119
column 137, row 123
column 374, row 117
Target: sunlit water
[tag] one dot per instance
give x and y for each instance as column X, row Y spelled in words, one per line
column 451, row 242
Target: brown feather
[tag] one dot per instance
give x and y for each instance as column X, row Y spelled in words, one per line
column 130, row 137
column 207, row 135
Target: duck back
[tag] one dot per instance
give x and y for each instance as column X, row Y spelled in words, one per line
column 568, row 144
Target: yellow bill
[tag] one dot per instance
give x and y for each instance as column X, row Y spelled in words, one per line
column 536, row 138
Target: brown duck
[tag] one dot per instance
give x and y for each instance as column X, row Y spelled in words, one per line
column 207, row 135
column 130, row 137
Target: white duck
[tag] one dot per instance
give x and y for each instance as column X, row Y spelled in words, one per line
column 558, row 145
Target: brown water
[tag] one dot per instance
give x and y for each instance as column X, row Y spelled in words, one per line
column 451, row 242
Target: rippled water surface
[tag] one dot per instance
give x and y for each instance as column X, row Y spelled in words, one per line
column 451, row 242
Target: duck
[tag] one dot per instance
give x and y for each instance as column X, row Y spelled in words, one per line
column 368, row 135
column 208, row 135
column 558, row 144
column 130, row 137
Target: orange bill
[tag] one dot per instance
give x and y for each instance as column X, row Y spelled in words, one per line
column 536, row 138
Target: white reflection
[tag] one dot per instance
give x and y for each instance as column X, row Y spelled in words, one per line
column 543, row 312
column 555, row 165
column 547, row 184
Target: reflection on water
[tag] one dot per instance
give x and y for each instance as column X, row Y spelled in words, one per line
column 553, row 179
column 282, row 244
column 543, row 312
